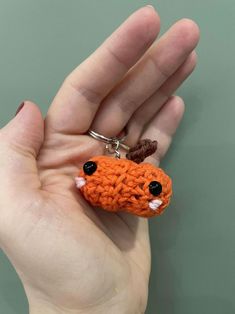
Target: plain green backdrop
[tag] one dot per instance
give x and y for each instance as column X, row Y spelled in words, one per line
column 193, row 251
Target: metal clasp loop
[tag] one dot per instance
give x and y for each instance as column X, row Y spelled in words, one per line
column 113, row 144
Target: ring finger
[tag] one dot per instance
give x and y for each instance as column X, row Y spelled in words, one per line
column 151, row 106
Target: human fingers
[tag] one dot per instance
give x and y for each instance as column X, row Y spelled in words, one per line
column 146, row 77
column 163, row 127
column 151, row 106
column 20, row 142
column 79, row 97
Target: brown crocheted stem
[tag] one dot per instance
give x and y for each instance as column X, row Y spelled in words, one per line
column 142, row 150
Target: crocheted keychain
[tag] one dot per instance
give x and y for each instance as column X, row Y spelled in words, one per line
column 116, row 184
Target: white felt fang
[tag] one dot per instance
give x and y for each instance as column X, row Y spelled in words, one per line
column 154, row 204
column 80, row 182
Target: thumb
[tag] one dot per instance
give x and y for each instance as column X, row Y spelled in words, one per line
column 25, row 130
column 20, row 142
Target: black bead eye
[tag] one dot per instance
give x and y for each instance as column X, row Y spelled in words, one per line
column 89, row 167
column 155, row 188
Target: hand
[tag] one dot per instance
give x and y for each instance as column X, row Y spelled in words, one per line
column 70, row 257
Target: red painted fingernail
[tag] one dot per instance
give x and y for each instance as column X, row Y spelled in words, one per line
column 19, row 108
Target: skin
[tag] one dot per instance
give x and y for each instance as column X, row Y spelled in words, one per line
column 70, row 257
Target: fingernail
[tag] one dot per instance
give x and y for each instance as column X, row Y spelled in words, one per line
column 19, row 108
column 150, row 6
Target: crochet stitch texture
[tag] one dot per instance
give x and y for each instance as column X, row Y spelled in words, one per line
column 123, row 185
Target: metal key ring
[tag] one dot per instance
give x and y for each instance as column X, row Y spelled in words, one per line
column 114, row 142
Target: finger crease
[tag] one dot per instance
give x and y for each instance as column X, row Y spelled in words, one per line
column 118, row 59
column 88, row 94
column 163, row 73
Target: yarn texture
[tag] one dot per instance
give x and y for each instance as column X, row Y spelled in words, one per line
column 143, row 149
column 123, row 185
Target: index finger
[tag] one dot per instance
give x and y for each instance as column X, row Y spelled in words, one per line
column 79, row 97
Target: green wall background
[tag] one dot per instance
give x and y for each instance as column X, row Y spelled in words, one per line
column 193, row 251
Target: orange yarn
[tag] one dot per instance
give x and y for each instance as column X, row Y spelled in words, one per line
column 123, row 185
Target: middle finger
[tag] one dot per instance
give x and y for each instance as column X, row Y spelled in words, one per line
column 152, row 70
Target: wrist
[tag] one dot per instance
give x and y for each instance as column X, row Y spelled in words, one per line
column 122, row 302
column 94, row 310
column 46, row 308
column 52, row 309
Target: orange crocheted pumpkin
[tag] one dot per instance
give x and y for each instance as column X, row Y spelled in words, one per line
column 123, row 185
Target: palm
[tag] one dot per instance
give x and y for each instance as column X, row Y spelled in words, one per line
column 68, row 253
column 85, row 241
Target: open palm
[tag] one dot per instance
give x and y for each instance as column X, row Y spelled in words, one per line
column 71, row 257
